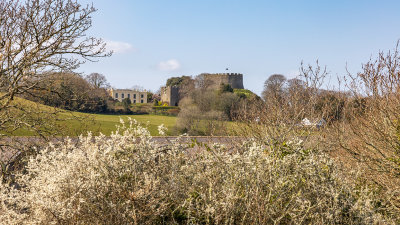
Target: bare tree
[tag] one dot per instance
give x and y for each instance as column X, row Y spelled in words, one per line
column 37, row 38
column 273, row 87
column 97, row 80
column 69, row 91
column 371, row 132
column 278, row 119
column 137, row 88
column 41, row 36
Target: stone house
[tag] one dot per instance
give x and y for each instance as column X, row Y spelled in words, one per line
column 134, row 95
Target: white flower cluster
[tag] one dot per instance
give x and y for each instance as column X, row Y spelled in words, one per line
column 128, row 179
column 162, row 130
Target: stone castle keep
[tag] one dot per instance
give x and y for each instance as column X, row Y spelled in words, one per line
column 214, row 80
column 170, row 94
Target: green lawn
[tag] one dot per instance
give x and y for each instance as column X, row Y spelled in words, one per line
column 107, row 123
column 74, row 124
column 52, row 121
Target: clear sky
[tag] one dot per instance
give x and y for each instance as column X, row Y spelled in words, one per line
column 156, row 39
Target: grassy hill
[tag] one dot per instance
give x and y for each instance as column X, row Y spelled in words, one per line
column 48, row 120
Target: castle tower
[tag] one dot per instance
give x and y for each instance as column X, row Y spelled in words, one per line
column 215, row 80
column 170, row 95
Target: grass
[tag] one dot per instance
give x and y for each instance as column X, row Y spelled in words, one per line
column 106, row 123
column 48, row 119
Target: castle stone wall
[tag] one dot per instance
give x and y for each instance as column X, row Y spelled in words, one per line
column 170, row 94
column 216, row 79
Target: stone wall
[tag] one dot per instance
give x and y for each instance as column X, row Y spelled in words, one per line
column 170, row 95
column 216, row 79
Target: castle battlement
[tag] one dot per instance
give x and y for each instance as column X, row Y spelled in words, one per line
column 216, row 79
column 222, row 74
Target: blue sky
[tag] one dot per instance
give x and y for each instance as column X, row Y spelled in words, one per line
column 156, row 39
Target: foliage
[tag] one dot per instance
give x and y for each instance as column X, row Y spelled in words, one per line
column 69, row 91
column 150, row 97
column 225, row 88
column 128, row 179
column 193, row 121
column 226, row 104
column 273, row 87
column 244, row 93
column 176, row 81
column 165, row 110
column 331, row 105
column 126, row 103
column 97, row 80
column 163, row 107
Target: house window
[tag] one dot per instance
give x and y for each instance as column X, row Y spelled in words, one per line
column 141, row 96
column 129, row 95
column 141, row 101
column 134, row 101
column 122, row 95
column 116, row 95
column 134, row 95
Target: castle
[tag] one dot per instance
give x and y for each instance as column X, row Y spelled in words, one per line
column 214, row 80
column 170, row 94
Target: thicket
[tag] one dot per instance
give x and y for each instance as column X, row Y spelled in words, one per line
column 129, row 179
column 206, row 111
column 362, row 114
column 69, row 91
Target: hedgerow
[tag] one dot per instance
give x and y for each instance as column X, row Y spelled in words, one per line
column 129, row 179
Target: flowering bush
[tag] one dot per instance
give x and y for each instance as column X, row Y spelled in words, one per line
column 129, row 179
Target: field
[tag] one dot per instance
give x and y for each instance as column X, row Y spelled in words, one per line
column 106, row 123
column 74, row 123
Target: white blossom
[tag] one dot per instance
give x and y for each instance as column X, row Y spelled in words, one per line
column 129, row 179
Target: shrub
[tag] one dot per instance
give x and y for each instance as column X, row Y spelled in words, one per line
column 69, row 91
column 193, row 121
column 225, row 88
column 165, row 110
column 126, row 103
column 128, row 179
column 173, row 112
